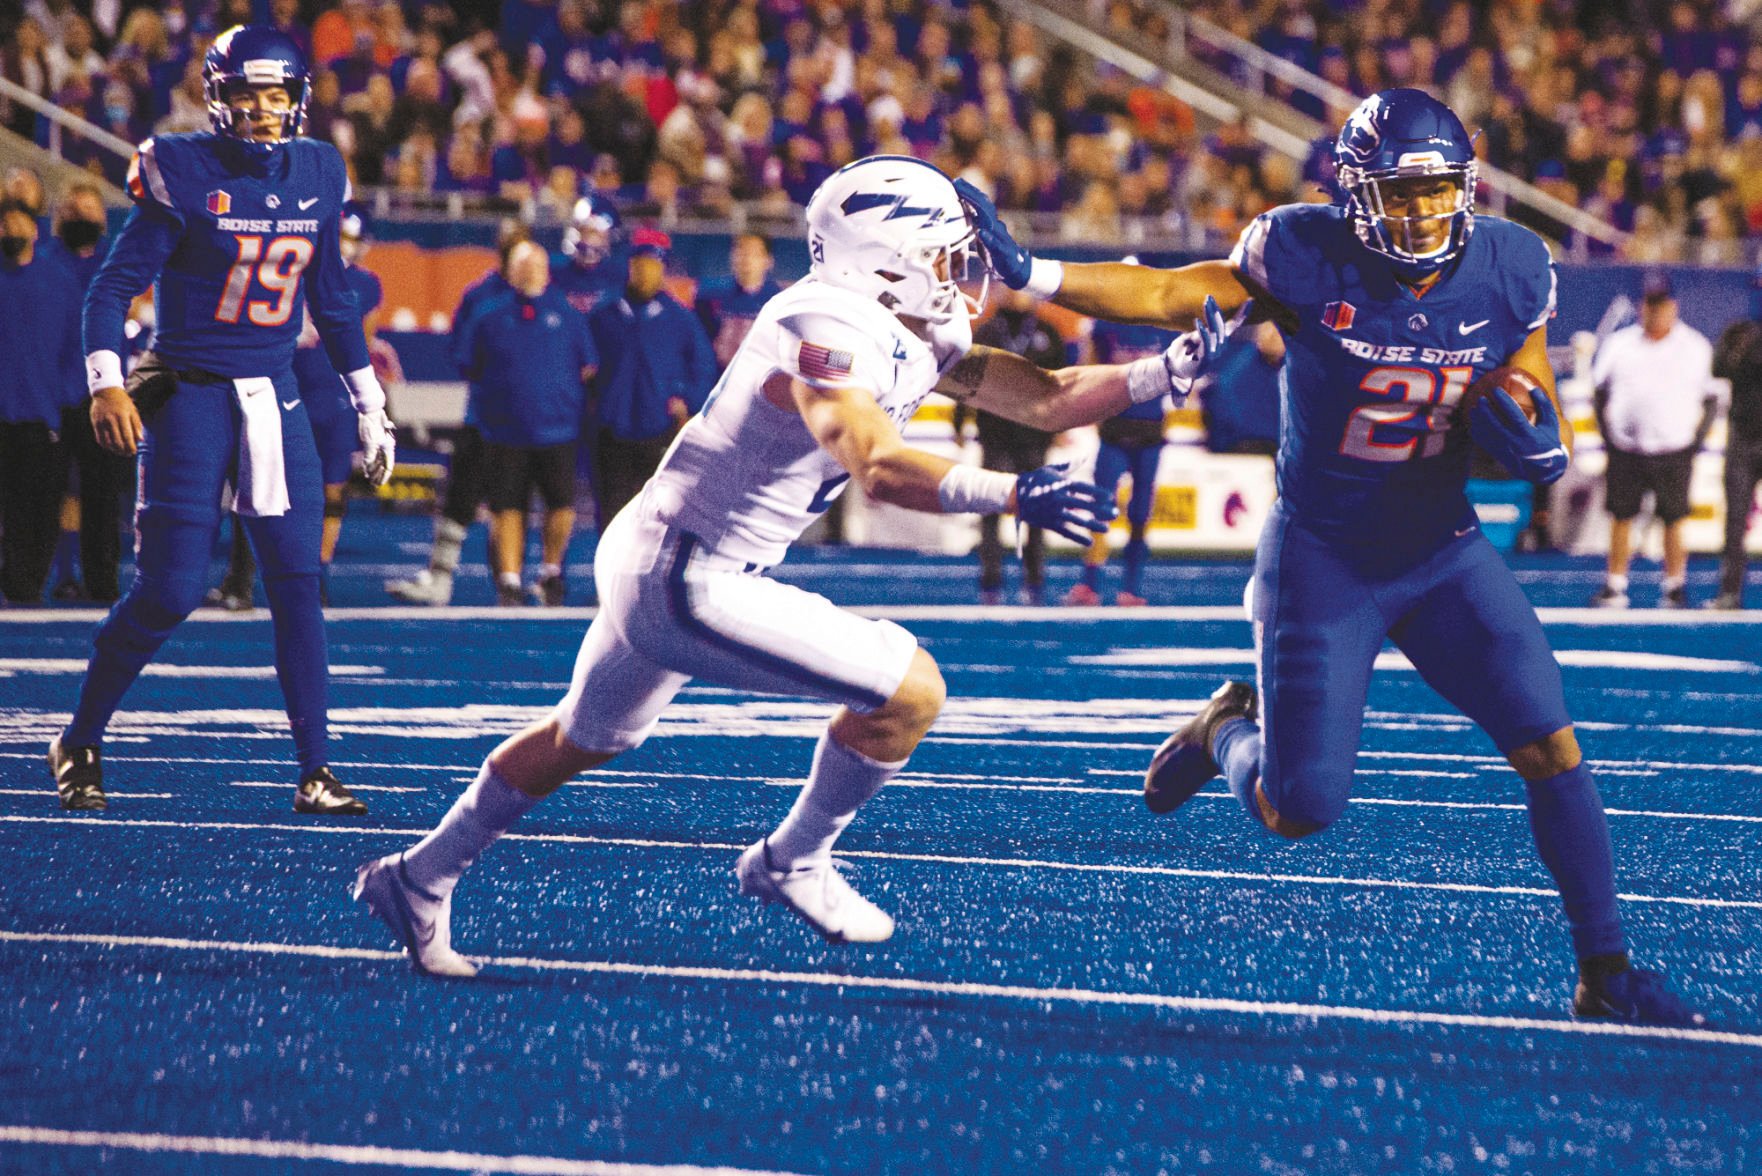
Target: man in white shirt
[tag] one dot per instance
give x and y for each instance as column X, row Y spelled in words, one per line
column 1655, row 400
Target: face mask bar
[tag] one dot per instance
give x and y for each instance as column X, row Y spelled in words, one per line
column 1374, row 222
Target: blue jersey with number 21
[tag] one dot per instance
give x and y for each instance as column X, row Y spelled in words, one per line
column 231, row 233
column 1372, row 456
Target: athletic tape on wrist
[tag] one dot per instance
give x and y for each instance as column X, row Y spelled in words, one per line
column 1044, row 278
column 970, row 490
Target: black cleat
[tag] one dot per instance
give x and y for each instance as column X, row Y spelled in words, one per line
column 1184, row 762
column 549, row 592
column 79, row 776
column 1635, row 995
column 510, row 596
column 322, row 793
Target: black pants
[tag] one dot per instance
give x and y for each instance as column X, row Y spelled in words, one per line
column 33, row 477
column 1018, row 458
column 1743, row 469
column 621, row 467
column 105, row 481
column 467, row 484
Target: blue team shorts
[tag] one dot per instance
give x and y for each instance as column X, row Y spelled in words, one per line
column 1320, row 620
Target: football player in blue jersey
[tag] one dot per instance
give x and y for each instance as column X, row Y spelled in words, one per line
column 229, row 226
column 1392, row 304
column 1131, row 447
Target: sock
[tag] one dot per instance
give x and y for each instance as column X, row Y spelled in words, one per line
column 509, row 579
column 841, row 780
column 1617, row 583
column 550, row 571
column 302, row 665
column 66, row 548
column 1572, row 835
column 483, row 812
column 449, row 537
column 1236, row 748
column 1674, row 583
column 1137, row 552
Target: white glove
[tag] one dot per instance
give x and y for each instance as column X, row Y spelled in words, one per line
column 379, row 449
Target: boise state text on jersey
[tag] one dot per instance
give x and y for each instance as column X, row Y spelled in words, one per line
column 1371, row 454
column 232, row 236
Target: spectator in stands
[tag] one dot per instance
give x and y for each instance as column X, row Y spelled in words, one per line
column 39, row 335
column 656, row 370
column 531, row 353
column 727, row 307
column 1738, row 359
column 1656, row 401
column 467, row 472
column 1012, row 448
column 24, row 61
column 73, row 57
column 92, row 521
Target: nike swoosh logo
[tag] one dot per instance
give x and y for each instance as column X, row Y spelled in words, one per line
column 305, row 204
column 1557, row 451
column 1465, row 328
column 1465, row 530
column 289, row 405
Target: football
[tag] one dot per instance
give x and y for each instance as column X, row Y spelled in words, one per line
column 1517, row 383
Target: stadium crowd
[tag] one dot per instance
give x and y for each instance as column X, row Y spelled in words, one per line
column 1646, row 113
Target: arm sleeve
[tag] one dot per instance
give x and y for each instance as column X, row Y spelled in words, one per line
column 825, row 351
column 146, row 242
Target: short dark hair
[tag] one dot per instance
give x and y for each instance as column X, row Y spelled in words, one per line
column 755, row 235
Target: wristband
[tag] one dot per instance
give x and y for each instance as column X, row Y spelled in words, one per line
column 971, row 490
column 103, row 370
column 1044, row 278
column 364, row 390
column 1149, row 379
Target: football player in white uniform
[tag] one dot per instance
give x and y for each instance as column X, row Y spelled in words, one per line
column 813, row 399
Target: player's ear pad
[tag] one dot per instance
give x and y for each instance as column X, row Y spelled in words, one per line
column 150, row 385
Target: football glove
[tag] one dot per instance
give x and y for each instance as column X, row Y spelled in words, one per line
column 1195, row 353
column 1008, row 260
column 379, row 449
column 1049, row 497
column 1533, row 452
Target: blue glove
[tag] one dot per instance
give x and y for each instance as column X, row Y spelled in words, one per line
column 1008, row 260
column 1049, row 497
column 1531, row 452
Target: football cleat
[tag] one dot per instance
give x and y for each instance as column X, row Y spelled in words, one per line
column 1082, row 596
column 422, row 922
column 1130, row 600
column 1183, row 764
column 1608, row 597
column 425, row 587
column 322, row 793
column 1636, row 995
column 548, row 592
column 224, row 597
column 79, row 777
column 1674, row 598
column 510, row 596
column 1724, row 602
column 818, row 893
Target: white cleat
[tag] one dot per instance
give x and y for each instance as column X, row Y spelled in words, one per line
column 421, row 921
column 818, row 893
column 423, row 588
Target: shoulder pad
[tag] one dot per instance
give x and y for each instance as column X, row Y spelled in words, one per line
column 1283, row 250
column 829, row 351
column 149, row 172
column 1526, row 269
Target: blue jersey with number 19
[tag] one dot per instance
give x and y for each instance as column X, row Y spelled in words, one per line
column 230, row 232
column 1371, row 454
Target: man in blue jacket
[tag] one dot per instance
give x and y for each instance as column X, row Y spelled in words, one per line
column 39, row 335
column 531, row 355
column 656, row 371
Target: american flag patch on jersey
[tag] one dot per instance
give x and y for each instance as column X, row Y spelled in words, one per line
column 823, row 363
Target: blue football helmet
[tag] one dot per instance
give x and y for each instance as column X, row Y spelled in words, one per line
column 255, row 55
column 592, row 223
column 1399, row 135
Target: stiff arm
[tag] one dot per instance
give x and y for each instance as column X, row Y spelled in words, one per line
column 1006, row 385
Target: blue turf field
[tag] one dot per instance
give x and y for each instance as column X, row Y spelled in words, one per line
column 1074, row 986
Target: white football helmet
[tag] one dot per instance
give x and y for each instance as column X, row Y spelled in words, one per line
column 893, row 228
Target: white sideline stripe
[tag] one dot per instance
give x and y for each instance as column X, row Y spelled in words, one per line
column 1588, row 617
column 342, row 1153
column 841, row 980
column 882, row 855
column 352, row 787
column 77, row 665
column 44, row 791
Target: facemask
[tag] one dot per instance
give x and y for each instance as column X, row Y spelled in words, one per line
column 14, row 247
column 80, row 234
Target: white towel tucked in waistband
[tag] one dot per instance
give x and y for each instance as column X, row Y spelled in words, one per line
column 263, row 479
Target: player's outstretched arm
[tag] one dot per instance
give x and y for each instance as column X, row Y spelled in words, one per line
column 1106, row 290
column 1010, row 386
column 850, row 426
